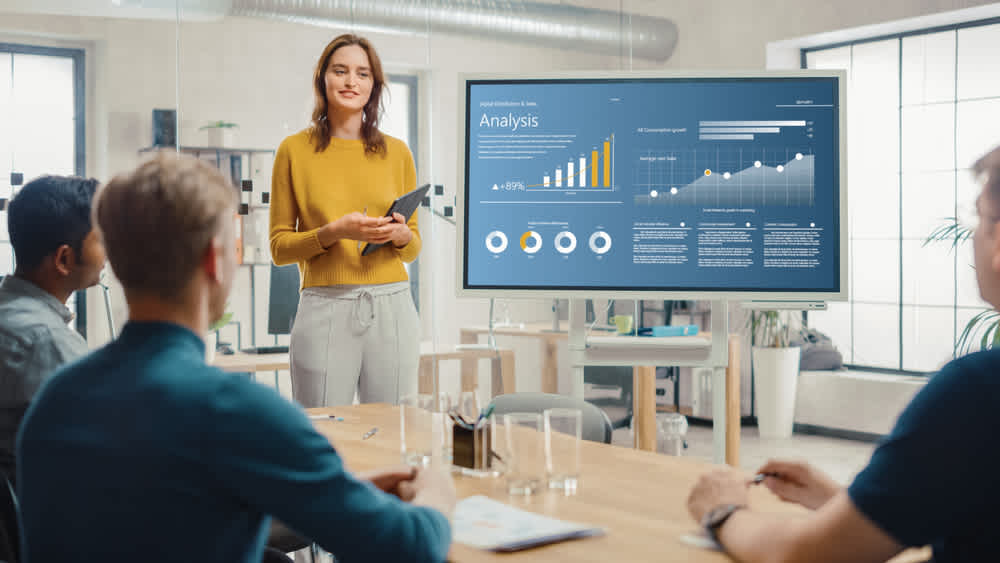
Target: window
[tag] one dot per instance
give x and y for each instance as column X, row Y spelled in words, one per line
column 41, row 112
column 399, row 120
column 921, row 108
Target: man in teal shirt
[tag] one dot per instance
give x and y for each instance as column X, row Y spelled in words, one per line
column 142, row 452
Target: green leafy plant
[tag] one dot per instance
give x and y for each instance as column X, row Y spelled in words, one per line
column 984, row 328
column 218, row 125
column 770, row 329
column 951, row 231
column 223, row 321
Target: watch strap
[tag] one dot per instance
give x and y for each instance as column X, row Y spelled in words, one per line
column 716, row 517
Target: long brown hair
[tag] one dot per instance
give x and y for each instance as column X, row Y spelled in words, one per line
column 320, row 129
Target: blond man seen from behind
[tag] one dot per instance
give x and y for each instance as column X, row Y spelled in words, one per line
column 170, row 457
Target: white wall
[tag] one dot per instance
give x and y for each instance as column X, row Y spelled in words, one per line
column 855, row 401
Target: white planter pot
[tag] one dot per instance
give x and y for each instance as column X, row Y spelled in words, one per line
column 222, row 137
column 211, row 340
column 776, row 377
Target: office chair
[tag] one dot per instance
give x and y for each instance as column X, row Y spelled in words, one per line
column 272, row 555
column 596, row 425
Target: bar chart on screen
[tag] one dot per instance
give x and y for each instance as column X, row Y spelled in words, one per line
column 554, row 162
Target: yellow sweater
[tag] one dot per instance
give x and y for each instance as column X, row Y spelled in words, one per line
column 310, row 189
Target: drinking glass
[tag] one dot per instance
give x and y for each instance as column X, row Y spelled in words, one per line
column 525, row 467
column 563, row 428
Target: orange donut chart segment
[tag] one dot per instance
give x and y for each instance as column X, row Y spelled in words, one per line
column 531, row 242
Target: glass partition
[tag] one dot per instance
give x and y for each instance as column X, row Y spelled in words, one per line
column 77, row 91
column 263, row 88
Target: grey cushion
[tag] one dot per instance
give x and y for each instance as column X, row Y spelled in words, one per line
column 596, row 425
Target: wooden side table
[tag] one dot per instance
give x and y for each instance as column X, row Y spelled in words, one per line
column 501, row 369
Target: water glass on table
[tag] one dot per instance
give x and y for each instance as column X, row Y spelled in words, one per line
column 495, row 453
column 563, row 430
column 415, row 444
column 525, row 460
column 425, row 429
column 468, row 406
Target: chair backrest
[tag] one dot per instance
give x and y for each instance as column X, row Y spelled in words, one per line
column 596, row 425
column 9, row 516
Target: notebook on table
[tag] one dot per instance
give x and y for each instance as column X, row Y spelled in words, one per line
column 484, row 523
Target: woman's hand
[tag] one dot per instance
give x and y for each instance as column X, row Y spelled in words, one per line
column 400, row 233
column 356, row 226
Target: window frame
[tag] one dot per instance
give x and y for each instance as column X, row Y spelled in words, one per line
column 413, row 82
column 902, row 304
column 78, row 56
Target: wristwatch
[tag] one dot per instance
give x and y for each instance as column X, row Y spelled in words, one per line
column 715, row 518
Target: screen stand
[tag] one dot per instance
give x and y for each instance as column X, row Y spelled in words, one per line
column 644, row 354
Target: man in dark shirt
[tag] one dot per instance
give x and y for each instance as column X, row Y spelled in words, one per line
column 173, row 457
column 929, row 482
column 57, row 252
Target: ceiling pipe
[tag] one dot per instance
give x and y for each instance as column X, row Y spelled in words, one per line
column 563, row 26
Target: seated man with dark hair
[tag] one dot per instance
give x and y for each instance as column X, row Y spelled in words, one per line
column 57, row 252
column 142, row 452
column 930, row 482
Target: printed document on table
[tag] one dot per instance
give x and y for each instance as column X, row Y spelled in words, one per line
column 484, row 523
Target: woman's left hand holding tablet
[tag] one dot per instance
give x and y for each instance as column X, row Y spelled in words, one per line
column 399, row 232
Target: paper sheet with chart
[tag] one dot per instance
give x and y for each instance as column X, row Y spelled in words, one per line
column 484, row 523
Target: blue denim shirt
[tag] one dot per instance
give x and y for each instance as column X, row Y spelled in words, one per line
column 34, row 340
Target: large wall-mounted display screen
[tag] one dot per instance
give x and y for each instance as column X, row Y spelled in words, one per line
column 667, row 184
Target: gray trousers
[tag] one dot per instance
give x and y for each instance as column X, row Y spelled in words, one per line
column 347, row 338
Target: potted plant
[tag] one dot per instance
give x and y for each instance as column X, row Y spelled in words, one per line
column 212, row 338
column 775, row 371
column 220, row 133
column 984, row 327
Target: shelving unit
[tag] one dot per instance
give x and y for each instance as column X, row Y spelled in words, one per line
column 224, row 162
column 218, row 151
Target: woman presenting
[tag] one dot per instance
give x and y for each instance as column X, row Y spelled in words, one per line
column 356, row 326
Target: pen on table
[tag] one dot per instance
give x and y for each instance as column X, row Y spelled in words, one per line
column 759, row 478
column 326, row 417
column 370, row 433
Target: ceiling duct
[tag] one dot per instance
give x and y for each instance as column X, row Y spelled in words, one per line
column 533, row 23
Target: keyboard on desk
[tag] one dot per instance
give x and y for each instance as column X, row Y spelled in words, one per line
column 266, row 350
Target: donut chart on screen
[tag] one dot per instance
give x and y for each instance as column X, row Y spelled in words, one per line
column 531, row 242
column 496, row 242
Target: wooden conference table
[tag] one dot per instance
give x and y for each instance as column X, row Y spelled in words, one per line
column 639, row 497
